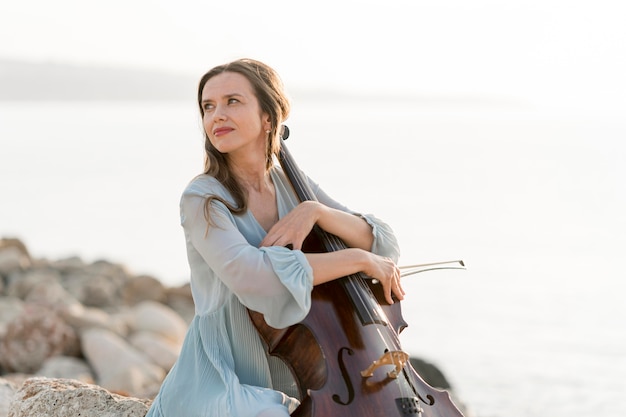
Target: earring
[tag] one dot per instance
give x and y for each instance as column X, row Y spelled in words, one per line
column 268, row 131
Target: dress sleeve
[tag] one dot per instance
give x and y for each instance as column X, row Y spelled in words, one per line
column 385, row 242
column 274, row 281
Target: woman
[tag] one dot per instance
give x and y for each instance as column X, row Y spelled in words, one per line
column 239, row 219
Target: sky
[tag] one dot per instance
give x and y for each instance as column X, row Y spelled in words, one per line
column 553, row 53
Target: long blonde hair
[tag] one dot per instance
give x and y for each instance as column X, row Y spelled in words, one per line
column 270, row 93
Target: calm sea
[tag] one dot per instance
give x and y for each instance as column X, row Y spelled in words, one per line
column 532, row 201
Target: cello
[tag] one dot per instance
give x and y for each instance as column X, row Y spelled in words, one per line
column 345, row 355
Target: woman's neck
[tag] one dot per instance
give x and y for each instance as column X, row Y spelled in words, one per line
column 253, row 178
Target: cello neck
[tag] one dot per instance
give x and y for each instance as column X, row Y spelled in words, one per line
column 367, row 308
column 297, row 179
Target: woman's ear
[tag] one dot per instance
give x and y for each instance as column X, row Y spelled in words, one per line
column 267, row 122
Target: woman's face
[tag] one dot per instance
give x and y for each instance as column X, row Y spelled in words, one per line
column 232, row 119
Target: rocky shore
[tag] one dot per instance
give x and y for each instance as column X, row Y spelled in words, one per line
column 78, row 336
column 89, row 339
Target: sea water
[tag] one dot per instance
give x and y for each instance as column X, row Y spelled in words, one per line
column 533, row 202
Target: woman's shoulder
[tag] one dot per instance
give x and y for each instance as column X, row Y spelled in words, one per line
column 204, row 185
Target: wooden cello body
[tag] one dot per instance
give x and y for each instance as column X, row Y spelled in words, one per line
column 346, row 355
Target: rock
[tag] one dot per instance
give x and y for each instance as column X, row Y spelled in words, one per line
column 143, row 288
column 159, row 349
column 160, row 319
column 67, row 367
column 50, row 294
column 10, row 309
column 16, row 379
column 81, row 318
column 433, row 376
column 181, row 301
column 119, row 366
column 21, row 283
column 68, row 265
column 33, row 337
column 13, row 256
column 97, row 285
column 430, row 373
column 69, row 398
column 7, row 391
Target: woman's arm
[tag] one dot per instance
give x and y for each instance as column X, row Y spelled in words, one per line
column 298, row 223
column 332, row 265
column 353, row 230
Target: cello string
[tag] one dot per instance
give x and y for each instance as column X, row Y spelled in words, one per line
column 390, row 339
column 307, row 194
column 391, row 346
column 364, row 294
column 304, row 192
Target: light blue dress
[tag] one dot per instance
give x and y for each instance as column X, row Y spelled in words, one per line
column 223, row 369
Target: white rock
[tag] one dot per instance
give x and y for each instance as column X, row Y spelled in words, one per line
column 160, row 319
column 119, row 366
column 159, row 349
column 67, row 367
column 7, row 391
column 70, row 398
column 81, row 318
column 13, row 255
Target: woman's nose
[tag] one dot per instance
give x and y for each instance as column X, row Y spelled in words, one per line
column 219, row 113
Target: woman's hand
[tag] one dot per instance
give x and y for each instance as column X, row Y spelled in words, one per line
column 294, row 227
column 328, row 266
column 387, row 273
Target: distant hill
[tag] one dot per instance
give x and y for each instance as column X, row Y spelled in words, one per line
column 57, row 81
column 21, row 81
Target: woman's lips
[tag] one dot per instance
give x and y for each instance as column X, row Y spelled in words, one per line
column 222, row 131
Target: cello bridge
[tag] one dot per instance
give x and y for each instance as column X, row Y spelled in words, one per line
column 397, row 358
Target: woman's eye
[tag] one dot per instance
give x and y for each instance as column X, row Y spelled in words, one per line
column 232, row 100
column 208, row 106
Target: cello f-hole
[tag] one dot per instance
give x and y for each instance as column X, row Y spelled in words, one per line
column 346, row 377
